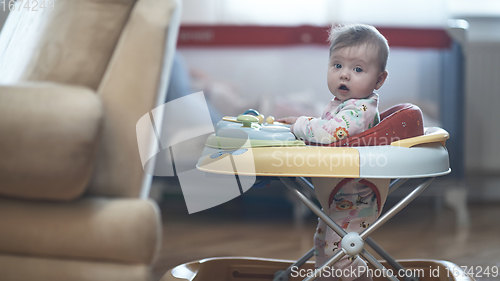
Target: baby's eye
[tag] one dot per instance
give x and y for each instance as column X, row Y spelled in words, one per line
column 358, row 69
column 337, row 65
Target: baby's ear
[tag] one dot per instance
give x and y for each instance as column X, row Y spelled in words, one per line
column 381, row 79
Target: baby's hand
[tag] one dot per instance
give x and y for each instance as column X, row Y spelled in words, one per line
column 287, row 120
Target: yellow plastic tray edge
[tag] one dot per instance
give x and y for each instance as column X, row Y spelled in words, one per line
column 432, row 135
column 256, row 174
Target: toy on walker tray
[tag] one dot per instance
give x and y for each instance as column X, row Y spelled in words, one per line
column 399, row 148
column 231, row 131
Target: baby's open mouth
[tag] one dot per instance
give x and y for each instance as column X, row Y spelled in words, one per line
column 344, row 88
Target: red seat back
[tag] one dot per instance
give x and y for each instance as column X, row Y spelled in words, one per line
column 399, row 122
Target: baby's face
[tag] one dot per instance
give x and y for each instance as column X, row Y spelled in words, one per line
column 354, row 72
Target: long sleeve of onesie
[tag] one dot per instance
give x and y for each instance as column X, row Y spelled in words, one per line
column 339, row 120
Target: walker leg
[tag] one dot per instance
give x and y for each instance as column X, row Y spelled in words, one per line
column 373, row 261
column 364, row 235
column 327, row 264
column 292, row 186
column 283, row 275
column 398, row 207
column 395, row 184
column 379, row 250
column 390, row 260
column 307, row 185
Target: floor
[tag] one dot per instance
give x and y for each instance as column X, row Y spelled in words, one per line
column 422, row 231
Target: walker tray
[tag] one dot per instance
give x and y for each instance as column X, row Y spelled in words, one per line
column 272, row 150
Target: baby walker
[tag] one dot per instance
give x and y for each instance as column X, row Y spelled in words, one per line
column 399, row 148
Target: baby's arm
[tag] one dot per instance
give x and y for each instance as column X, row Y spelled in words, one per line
column 287, row 120
column 348, row 122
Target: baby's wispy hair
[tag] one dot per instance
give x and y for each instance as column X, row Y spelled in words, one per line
column 350, row 35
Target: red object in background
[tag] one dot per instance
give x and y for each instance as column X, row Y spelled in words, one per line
column 258, row 36
column 417, row 38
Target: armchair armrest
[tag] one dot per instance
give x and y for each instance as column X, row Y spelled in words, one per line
column 48, row 140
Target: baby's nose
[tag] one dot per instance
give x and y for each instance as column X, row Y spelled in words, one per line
column 344, row 75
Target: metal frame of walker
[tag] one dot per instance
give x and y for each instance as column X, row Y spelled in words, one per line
column 352, row 243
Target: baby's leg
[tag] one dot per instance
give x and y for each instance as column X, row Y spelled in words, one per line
column 354, row 208
column 319, row 250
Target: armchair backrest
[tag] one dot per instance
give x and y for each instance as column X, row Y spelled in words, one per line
column 71, row 44
column 135, row 82
column 121, row 49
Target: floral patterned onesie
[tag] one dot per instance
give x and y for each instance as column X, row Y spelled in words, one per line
column 339, row 120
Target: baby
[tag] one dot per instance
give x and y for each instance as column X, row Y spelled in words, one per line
column 358, row 57
column 356, row 67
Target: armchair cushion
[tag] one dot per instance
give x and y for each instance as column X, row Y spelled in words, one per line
column 94, row 229
column 48, row 140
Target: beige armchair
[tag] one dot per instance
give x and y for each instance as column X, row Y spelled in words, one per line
column 73, row 193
